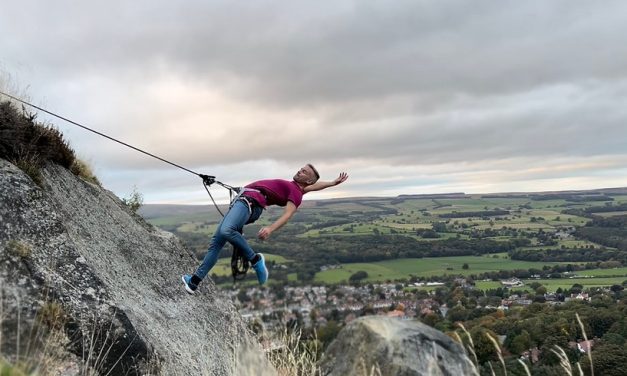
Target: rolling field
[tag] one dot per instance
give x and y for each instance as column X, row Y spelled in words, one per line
column 437, row 266
column 425, row 267
column 554, row 284
column 465, row 217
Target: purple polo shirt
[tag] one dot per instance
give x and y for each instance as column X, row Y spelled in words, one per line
column 276, row 192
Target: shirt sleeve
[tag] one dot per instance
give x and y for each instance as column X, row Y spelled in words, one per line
column 295, row 196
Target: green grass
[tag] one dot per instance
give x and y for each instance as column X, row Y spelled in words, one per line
column 487, row 285
column 425, row 267
column 604, row 272
column 414, row 214
column 554, row 284
column 611, row 214
column 223, row 266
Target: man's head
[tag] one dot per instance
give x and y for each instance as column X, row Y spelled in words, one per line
column 307, row 175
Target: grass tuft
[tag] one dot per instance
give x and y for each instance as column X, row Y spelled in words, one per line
column 527, row 372
column 30, row 165
column 28, row 144
column 42, row 347
column 18, row 248
column 290, row 355
column 499, row 353
column 585, row 337
column 563, row 358
column 52, row 315
column 81, row 169
column 470, row 347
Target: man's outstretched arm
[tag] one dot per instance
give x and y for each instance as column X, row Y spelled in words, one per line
column 265, row 232
column 320, row 185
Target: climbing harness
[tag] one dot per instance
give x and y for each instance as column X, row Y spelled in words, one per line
column 239, row 263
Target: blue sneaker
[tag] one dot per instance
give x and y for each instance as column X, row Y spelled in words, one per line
column 189, row 286
column 262, row 271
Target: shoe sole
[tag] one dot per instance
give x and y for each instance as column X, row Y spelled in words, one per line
column 189, row 290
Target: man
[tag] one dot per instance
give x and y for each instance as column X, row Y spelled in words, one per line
column 248, row 207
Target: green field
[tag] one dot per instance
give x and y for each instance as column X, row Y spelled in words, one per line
column 542, row 222
column 554, row 284
column 437, row 266
column 223, row 266
column 425, row 267
column 603, row 272
column 487, row 285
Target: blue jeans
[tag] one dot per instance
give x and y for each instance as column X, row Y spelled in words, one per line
column 230, row 230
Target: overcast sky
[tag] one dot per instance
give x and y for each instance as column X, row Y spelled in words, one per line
column 406, row 96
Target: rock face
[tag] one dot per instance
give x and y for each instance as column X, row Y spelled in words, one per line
column 394, row 347
column 116, row 278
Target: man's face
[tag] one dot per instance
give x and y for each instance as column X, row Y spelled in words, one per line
column 305, row 175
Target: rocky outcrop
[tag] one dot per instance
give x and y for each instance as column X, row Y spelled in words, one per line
column 394, row 347
column 116, row 278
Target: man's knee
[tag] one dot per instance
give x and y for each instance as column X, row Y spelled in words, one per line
column 229, row 232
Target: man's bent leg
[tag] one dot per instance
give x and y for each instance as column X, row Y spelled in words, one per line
column 231, row 230
column 211, row 257
column 234, row 219
column 234, row 236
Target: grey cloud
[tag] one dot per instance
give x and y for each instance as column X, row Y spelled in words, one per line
column 406, row 83
column 277, row 52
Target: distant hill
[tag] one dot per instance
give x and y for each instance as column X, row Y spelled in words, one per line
column 149, row 211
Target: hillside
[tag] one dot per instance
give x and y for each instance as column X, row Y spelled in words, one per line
column 79, row 266
column 87, row 287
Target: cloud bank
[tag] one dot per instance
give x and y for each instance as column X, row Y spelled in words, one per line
column 408, row 97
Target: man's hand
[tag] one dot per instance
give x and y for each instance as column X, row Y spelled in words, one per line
column 320, row 185
column 341, row 179
column 289, row 211
column 264, row 233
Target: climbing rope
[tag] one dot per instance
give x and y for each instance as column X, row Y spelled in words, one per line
column 207, row 180
column 239, row 263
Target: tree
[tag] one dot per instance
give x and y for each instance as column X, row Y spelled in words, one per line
column 438, row 226
column 534, row 285
column 541, row 290
column 358, row 276
column 484, row 348
column 613, row 338
column 431, row 319
column 576, row 288
column 616, row 288
column 608, row 360
column 326, row 334
column 134, row 201
column 457, row 313
column 465, row 266
column 520, row 343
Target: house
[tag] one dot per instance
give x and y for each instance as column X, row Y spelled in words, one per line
column 582, row 346
column 580, row 296
column 512, row 282
column 533, row 355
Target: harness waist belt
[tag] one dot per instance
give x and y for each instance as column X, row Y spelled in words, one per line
column 251, row 201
